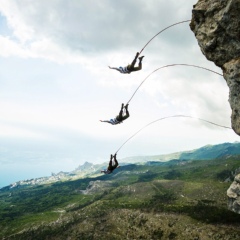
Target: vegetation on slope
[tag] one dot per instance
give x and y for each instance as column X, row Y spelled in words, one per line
column 179, row 200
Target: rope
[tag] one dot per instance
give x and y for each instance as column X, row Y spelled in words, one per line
column 171, row 65
column 174, row 116
column 161, row 32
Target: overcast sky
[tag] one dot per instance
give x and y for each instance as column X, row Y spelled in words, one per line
column 55, row 84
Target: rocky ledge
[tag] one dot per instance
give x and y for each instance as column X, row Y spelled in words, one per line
column 215, row 24
column 234, row 195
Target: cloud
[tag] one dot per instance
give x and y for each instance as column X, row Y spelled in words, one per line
column 91, row 26
column 76, row 32
column 56, row 84
column 11, row 48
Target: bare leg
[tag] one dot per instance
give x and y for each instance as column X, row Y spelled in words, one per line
column 120, row 116
column 127, row 113
column 110, row 163
column 131, row 67
column 139, row 65
column 115, row 160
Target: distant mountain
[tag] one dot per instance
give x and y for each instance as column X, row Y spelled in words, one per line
column 93, row 170
column 204, row 153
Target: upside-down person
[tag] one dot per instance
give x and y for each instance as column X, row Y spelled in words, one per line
column 111, row 167
column 120, row 117
column 131, row 67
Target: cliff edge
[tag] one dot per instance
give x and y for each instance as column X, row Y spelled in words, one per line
column 216, row 25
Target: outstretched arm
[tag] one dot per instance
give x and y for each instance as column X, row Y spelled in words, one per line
column 107, row 121
column 114, row 68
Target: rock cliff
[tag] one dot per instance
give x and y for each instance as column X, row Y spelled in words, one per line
column 216, row 25
column 234, row 195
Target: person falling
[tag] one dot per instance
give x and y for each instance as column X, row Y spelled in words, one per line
column 130, row 68
column 111, row 167
column 120, row 117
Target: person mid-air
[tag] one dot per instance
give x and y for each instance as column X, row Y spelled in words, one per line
column 120, row 117
column 131, row 67
column 111, row 167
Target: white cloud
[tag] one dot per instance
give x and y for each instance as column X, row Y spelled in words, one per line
column 90, row 26
column 11, row 48
column 56, row 84
column 16, row 21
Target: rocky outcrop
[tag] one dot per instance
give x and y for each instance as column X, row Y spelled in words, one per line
column 216, row 25
column 234, row 195
column 97, row 187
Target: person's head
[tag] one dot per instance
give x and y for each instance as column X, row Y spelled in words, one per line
column 118, row 166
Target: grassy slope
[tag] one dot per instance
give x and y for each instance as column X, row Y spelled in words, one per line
column 139, row 202
column 206, row 152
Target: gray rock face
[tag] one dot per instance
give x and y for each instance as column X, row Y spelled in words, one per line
column 97, row 187
column 234, row 195
column 216, row 25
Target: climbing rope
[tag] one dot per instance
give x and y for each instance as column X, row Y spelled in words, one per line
column 161, row 32
column 174, row 116
column 171, row 65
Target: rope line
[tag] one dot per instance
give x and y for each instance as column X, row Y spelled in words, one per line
column 174, row 116
column 161, row 32
column 170, row 65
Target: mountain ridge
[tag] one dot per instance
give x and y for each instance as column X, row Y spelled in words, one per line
column 88, row 169
column 195, row 154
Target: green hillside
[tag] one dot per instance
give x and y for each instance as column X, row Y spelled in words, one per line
column 213, row 151
column 181, row 200
column 205, row 152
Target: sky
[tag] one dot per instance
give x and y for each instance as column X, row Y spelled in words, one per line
column 55, row 84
